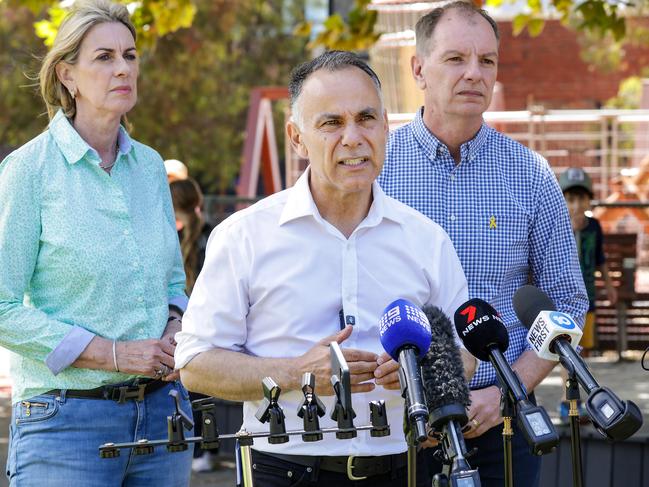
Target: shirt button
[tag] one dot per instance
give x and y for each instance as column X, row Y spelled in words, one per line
column 140, row 299
column 135, row 264
column 125, row 232
column 452, row 177
column 452, row 218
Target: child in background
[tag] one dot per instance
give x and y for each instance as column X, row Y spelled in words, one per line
column 193, row 233
column 577, row 189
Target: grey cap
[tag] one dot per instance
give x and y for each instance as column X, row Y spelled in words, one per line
column 575, row 177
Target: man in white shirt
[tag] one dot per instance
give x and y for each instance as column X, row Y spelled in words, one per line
column 282, row 278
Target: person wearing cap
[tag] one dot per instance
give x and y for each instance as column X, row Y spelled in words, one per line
column 577, row 189
column 176, row 170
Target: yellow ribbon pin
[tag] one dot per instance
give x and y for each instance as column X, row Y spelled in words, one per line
column 492, row 222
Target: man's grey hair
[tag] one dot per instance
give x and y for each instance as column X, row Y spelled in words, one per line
column 425, row 27
column 331, row 61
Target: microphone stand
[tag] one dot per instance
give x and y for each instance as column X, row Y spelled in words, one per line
column 414, row 428
column 507, row 411
column 572, row 395
column 411, row 441
column 456, row 471
column 244, row 440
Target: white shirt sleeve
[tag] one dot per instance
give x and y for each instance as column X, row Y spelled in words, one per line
column 453, row 290
column 217, row 310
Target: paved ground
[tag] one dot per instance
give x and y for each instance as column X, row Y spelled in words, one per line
column 626, row 378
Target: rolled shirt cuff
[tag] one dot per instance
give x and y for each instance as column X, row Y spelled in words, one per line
column 179, row 302
column 68, row 349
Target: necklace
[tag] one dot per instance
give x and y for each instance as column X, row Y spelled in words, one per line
column 108, row 166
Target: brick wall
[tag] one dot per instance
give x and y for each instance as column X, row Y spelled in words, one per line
column 548, row 69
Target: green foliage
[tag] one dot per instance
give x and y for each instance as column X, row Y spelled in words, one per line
column 629, row 94
column 602, row 53
column 194, row 87
column 354, row 34
column 601, row 17
column 194, row 92
column 152, row 18
column 46, row 29
column 20, row 104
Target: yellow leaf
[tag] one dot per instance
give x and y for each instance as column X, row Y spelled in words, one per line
column 519, row 23
column 302, row 29
column 535, row 26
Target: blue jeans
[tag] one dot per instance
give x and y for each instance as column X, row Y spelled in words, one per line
column 55, row 442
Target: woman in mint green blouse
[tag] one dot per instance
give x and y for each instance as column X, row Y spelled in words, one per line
column 91, row 277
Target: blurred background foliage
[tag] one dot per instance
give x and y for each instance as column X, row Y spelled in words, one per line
column 199, row 60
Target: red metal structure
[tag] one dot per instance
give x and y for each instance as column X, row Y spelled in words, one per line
column 260, row 149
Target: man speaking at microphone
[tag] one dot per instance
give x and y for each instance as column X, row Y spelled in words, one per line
column 498, row 201
column 312, row 264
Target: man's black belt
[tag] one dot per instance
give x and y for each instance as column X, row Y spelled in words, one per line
column 134, row 390
column 356, row 468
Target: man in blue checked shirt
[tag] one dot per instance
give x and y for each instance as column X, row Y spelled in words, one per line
column 498, row 201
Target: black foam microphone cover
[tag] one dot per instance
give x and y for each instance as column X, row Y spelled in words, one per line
column 447, row 393
column 480, row 328
column 528, row 302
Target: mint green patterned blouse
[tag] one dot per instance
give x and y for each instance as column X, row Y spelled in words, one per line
column 82, row 253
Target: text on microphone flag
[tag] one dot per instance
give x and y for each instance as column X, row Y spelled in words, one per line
column 546, row 327
column 393, row 315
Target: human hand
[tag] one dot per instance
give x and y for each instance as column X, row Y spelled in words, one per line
column 150, row 358
column 317, row 360
column 484, row 412
column 387, row 372
column 431, row 440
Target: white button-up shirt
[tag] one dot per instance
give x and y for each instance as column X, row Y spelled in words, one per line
column 276, row 276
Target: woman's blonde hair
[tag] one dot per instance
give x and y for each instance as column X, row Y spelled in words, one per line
column 67, row 44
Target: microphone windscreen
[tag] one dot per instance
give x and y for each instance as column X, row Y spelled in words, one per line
column 528, row 302
column 480, row 328
column 404, row 324
column 442, row 370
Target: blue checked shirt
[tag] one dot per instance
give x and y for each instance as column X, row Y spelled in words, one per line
column 504, row 211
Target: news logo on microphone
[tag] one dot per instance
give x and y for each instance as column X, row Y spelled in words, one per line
column 469, row 312
column 549, row 325
column 402, row 309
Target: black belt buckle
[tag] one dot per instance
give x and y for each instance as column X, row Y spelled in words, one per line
column 122, row 394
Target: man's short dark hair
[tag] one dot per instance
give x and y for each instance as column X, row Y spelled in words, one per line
column 426, row 25
column 331, row 61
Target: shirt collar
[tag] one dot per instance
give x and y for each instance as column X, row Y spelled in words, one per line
column 433, row 147
column 73, row 147
column 300, row 204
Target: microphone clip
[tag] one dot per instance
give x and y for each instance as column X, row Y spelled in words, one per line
column 177, row 423
column 311, row 409
column 271, row 412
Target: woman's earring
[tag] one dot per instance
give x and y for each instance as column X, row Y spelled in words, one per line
column 73, row 93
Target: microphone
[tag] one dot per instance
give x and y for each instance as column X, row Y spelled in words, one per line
column 405, row 336
column 447, row 396
column 485, row 336
column 553, row 335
